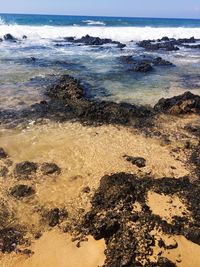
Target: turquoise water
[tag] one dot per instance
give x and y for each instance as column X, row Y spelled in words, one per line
column 23, row 81
column 53, row 20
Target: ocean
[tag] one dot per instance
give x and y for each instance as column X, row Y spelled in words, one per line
column 23, row 80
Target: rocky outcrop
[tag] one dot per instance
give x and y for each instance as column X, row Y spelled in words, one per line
column 90, row 40
column 9, row 37
column 69, row 92
column 166, row 44
column 182, row 104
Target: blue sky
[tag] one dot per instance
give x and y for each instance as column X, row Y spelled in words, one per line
column 131, row 8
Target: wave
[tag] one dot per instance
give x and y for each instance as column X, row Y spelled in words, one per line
column 93, row 22
column 122, row 34
column 2, row 22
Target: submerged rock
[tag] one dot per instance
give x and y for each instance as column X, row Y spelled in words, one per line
column 141, row 67
column 21, row 191
column 182, row 104
column 144, row 63
column 3, row 154
column 50, row 168
column 25, row 169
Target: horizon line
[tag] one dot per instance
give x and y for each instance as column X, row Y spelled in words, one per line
column 98, row 16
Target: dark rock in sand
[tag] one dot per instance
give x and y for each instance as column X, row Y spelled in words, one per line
column 182, row 104
column 9, row 37
column 112, row 214
column 195, row 159
column 164, row 262
column 53, row 217
column 24, row 37
column 138, row 161
column 3, row 154
column 86, row 190
column 193, row 234
column 50, row 168
column 21, row 191
column 9, row 239
column 25, row 169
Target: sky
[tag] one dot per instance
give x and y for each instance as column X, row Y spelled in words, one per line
column 129, row 8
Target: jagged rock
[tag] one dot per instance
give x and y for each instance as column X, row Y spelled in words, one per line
column 182, row 104
column 9, row 37
column 90, row 40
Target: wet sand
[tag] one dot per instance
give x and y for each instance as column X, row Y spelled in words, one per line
column 85, row 154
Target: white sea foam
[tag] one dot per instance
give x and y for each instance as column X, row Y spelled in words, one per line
column 94, row 22
column 123, row 34
column 2, row 22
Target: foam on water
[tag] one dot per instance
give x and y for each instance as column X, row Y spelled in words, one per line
column 93, row 22
column 2, row 22
column 123, row 34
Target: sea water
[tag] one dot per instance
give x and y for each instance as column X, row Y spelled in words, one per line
column 23, row 80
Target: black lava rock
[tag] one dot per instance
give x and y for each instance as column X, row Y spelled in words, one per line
column 182, row 104
column 50, row 168
column 53, row 217
column 138, row 161
column 9, row 37
column 25, row 169
column 3, row 154
column 9, row 239
column 21, row 191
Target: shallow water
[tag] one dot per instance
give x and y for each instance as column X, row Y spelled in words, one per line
column 22, row 79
